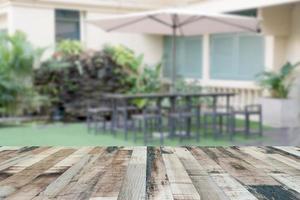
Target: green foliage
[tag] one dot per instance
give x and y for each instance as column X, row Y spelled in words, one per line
column 17, row 57
column 148, row 82
column 70, row 48
column 279, row 83
column 182, row 86
column 125, row 57
column 16, row 54
column 141, row 78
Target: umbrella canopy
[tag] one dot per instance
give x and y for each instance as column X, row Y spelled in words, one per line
column 177, row 22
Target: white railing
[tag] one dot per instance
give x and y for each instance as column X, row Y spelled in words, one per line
column 244, row 96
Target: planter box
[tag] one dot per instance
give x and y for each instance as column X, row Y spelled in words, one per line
column 280, row 113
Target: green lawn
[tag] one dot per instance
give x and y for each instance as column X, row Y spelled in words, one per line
column 77, row 135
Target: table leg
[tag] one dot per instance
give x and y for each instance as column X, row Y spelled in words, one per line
column 189, row 120
column 114, row 117
column 160, row 121
column 125, row 119
column 172, row 121
column 229, row 116
column 214, row 119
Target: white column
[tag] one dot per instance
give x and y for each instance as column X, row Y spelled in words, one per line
column 10, row 21
column 206, row 59
column 83, row 28
column 269, row 52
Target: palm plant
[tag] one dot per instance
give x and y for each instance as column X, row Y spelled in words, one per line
column 17, row 57
column 279, row 83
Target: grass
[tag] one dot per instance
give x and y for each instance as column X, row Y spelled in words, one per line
column 76, row 134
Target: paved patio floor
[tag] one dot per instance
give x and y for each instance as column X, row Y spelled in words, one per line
column 279, row 137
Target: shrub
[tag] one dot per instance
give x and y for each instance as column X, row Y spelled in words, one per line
column 70, row 48
column 278, row 83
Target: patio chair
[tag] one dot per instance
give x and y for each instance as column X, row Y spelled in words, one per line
column 246, row 113
column 124, row 111
column 217, row 119
column 181, row 122
column 96, row 115
column 148, row 123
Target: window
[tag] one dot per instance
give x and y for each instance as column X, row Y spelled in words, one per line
column 188, row 57
column 236, row 56
column 67, row 25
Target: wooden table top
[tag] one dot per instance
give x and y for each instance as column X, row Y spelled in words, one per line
column 134, row 173
column 165, row 95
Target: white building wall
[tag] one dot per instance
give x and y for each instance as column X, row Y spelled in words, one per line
column 3, row 21
column 37, row 23
column 293, row 47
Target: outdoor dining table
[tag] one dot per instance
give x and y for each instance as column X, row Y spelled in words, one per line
column 116, row 98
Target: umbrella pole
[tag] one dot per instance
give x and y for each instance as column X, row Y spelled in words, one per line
column 173, row 59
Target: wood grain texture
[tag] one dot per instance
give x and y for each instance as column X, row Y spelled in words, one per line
column 159, row 185
column 134, row 183
column 181, row 184
column 154, row 173
column 201, row 179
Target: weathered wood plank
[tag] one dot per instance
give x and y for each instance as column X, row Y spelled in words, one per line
column 69, row 161
column 278, row 166
column 284, row 159
column 134, row 183
column 284, row 179
column 9, row 148
column 181, row 184
column 238, row 168
column 204, row 184
column 232, row 188
column 110, row 184
column 292, row 182
column 113, row 173
column 290, row 150
column 258, row 164
column 32, row 160
column 23, row 155
column 83, row 184
column 56, row 186
column 206, row 162
column 32, row 189
column 159, row 184
column 16, row 181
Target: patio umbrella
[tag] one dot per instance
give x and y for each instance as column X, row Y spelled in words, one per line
column 177, row 22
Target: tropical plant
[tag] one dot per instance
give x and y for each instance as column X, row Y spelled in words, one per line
column 130, row 64
column 125, row 57
column 148, row 82
column 70, row 47
column 141, row 78
column 278, row 83
column 18, row 58
column 182, row 86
